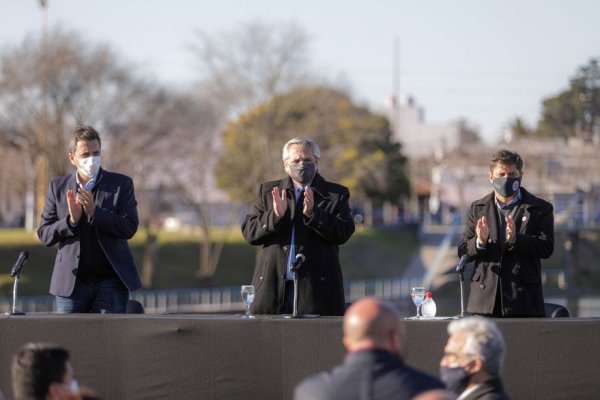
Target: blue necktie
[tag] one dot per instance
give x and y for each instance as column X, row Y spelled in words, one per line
column 297, row 219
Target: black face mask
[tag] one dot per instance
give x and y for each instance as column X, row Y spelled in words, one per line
column 456, row 379
column 302, row 172
column 506, row 186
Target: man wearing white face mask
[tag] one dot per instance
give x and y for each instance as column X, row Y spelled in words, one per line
column 43, row 371
column 90, row 213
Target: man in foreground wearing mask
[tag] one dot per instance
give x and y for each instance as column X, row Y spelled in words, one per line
column 374, row 366
column 507, row 233
column 473, row 359
column 299, row 214
column 90, row 214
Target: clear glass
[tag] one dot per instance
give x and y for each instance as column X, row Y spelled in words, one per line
column 418, row 296
column 248, row 298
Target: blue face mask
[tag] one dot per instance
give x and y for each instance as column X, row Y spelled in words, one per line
column 455, row 378
column 506, row 186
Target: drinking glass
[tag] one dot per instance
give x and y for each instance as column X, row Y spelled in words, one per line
column 248, row 298
column 418, row 296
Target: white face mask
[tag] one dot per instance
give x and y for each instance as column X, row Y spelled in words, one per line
column 89, row 166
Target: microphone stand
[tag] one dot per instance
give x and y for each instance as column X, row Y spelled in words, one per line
column 462, row 293
column 14, row 303
column 294, row 268
column 295, row 311
column 460, row 268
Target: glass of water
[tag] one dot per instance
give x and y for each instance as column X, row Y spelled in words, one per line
column 418, row 296
column 248, row 298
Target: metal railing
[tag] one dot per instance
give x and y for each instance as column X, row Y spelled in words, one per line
column 228, row 299
column 219, row 300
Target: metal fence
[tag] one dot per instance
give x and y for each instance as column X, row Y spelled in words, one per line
column 229, row 300
column 218, row 300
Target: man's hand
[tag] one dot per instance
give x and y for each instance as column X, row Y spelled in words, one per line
column 483, row 231
column 86, row 199
column 279, row 202
column 75, row 209
column 309, row 202
column 511, row 230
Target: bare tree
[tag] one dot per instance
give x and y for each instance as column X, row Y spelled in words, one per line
column 169, row 146
column 85, row 83
column 193, row 151
column 242, row 68
column 80, row 83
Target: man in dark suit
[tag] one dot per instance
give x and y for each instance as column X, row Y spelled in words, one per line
column 300, row 214
column 90, row 214
column 473, row 359
column 507, row 233
column 374, row 367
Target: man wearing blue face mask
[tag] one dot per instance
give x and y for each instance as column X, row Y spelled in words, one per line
column 299, row 214
column 90, row 213
column 507, row 233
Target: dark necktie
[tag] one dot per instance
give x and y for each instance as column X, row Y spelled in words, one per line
column 296, row 227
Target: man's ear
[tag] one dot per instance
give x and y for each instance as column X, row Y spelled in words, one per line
column 490, row 176
column 474, row 366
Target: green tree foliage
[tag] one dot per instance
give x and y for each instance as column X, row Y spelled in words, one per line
column 574, row 112
column 356, row 147
column 519, row 128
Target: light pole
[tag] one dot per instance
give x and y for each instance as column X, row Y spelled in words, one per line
column 42, row 159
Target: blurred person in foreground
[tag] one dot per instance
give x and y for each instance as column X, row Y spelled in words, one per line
column 374, row 367
column 42, row 371
column 299, row 214
column 507, row 233
column 473, row 359
column 90, row 213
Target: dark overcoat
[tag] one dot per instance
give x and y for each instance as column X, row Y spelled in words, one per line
column 367, row 374
column 320, row 284
column 513, row 269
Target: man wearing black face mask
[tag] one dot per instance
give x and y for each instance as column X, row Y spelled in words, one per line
column 507, row 233
column 300, row 214
column 473, row 359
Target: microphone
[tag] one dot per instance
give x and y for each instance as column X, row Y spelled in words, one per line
column 464, row 260
column 297, row 262
column 16, row 269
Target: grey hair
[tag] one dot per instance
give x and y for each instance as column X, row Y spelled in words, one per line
column 484, row 340
column 303, row 142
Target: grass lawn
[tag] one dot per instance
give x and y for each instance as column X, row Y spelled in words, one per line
column 370, row 253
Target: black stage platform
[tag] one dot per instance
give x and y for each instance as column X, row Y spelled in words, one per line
column 226, row 357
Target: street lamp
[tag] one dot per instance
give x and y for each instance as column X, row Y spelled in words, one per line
column 42, row 159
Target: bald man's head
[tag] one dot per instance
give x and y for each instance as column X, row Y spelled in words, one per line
column 370, row 323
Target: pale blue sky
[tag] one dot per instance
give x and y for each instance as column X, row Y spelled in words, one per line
column 487, row 61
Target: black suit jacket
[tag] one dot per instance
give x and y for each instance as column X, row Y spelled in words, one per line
column 115, row 221
column 320, row 286
column 369, row 374
column 516, row 268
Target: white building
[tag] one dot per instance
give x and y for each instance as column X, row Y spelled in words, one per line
column 418, row 138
